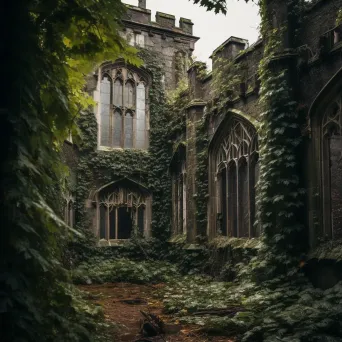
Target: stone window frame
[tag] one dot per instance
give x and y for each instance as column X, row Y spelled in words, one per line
column 318, row 183
column 125, row 73
column 137, row 196
column 179, row 197
column 222, row 161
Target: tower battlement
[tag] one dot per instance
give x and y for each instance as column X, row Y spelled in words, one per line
column 140, row 14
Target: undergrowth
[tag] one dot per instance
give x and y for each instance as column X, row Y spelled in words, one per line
column 125, row 270
column 291, row 311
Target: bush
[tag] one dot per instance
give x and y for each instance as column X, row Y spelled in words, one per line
column 124, row 270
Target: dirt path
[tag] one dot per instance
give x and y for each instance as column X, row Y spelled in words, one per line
column 122, row 304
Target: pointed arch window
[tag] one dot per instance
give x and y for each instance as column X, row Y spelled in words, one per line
column 122, row 210
column 122, row 110
column 332, row 169
column 235, row 173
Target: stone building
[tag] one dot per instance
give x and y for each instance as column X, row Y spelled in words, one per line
column 120, row 202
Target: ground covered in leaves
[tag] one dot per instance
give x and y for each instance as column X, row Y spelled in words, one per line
column 122, row 304
column 201, row 308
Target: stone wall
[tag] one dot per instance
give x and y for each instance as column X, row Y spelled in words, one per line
column 318, row 68
column 162, row 36
column 318, row 58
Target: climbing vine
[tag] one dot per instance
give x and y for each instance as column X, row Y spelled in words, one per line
column 279, row 192
column 339, row 17
column 97, row 168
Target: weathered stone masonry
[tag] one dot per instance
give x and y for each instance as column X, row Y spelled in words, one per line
column 314, row 62
column 316, row 58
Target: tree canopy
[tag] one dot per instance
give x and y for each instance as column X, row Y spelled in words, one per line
column 214, row 5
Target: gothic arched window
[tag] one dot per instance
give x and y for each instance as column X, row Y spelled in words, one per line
column 234, row 165
column 332, row 169
column 122, row 210
column 123, row 117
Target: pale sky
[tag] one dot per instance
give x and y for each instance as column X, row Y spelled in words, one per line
column 242, row 20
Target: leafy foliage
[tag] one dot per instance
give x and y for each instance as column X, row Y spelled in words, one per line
column 101, row 271
column 216, row 5
column 60, row 42
column 226, row 78
column 291, row 311
column 339, row 17
column 101, row 167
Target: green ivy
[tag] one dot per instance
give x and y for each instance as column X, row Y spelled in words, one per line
column 97, row 168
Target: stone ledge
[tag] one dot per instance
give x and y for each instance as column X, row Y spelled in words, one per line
column 235, row 243
column 112, row 243
column 331, row 250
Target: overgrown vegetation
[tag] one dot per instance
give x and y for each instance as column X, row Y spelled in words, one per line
column 269, row 300
column 105, row 271
column 57, row 43
column 292, row 312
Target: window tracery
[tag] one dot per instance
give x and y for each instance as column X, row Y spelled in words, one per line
column 332, row 169
column 236, row 174
column 121, row 212
column 123, row 111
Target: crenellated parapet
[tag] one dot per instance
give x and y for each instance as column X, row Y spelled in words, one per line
column 163, row 21
column 174, row 43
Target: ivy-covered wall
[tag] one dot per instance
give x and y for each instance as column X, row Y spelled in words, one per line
column 97, row 168
column 234, row 84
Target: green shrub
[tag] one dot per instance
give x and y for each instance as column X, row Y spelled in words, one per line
column 124, row 270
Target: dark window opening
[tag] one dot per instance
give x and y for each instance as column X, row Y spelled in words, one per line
column 224, row 228
column 112, row 223
column 125, row 223
column 103, row 219
column 232, row 200
column 243, row 200
column 141, row 219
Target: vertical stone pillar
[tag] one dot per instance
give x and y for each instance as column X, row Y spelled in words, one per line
column 194, row 115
